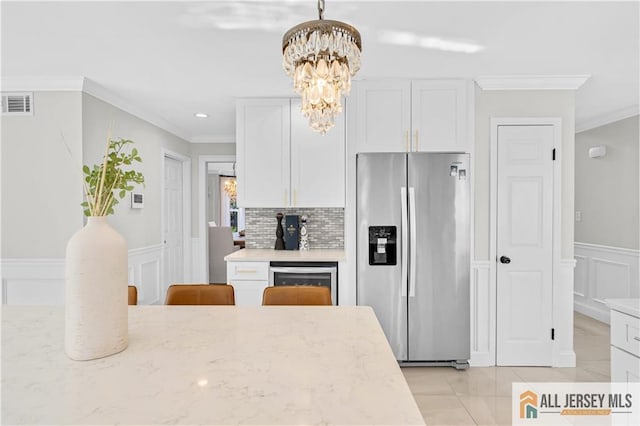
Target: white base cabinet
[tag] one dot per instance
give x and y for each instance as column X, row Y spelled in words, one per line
column 249, row 279
column 625, row 368
column 625, row 341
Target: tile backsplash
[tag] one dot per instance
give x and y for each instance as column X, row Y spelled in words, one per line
column 325, row 227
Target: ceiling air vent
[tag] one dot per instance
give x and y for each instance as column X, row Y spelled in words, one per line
column 17, row 104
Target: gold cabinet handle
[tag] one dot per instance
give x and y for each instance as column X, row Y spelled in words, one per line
column 246, row 271
column 417, row 143
column 406, row 140
column 295, row 197
column 285, row 200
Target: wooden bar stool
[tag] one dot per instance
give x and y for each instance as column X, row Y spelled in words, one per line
column 296, row 295
column 200, row 294
column 133, row 295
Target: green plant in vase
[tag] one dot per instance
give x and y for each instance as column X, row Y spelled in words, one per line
column 105, row 183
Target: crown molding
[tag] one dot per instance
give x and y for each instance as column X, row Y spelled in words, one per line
column 532, row 82
column 214, row 139
column 90, row 87
column 608, row 118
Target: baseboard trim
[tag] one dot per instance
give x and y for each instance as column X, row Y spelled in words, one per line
column 590, row 311
column 482, row 359
column 565, row 359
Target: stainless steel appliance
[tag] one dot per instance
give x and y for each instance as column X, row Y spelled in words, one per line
column 413, row 252
column 306, row 273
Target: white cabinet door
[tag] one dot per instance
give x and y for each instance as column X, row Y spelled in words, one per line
column 383, row 116
column 262, row 149
column 411, row 115
column 438, row 115
column 625, row 368
column 317, row 162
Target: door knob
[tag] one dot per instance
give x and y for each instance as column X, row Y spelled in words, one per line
column 505, row 260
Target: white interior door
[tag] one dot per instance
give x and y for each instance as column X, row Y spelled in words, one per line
column 524, row 245
column 173, row 226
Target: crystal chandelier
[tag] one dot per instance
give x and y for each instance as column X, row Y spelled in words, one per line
column 230, row 188
column 321, row 56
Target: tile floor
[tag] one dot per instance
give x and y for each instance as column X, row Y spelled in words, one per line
column 482, row 396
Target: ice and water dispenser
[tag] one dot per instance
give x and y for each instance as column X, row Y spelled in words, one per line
column 382, row 245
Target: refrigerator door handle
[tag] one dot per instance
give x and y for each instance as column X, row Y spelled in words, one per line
column 412, row 221
column 405, row 240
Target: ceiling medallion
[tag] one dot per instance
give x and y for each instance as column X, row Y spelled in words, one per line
column 321, row 56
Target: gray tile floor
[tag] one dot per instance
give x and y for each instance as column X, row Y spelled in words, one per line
column 482, row 396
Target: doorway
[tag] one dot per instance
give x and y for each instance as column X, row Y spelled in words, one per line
column 524, row 241
column 217, row 204
column 176, row 218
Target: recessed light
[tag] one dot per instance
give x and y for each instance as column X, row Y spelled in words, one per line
column 201, row 115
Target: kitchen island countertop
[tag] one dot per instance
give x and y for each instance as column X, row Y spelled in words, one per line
column 268, row 255
column 208, row 365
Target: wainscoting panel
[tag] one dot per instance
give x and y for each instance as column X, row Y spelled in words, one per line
column 604, row 272
column 32, row 281
column 483, row 315
column 581, row 274
column 145, row 273
column 41, row 281
column 563, row 287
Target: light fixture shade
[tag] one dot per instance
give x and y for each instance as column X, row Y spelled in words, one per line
column 321, row 56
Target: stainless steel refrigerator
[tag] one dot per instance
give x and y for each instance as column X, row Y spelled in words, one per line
column 413, row 252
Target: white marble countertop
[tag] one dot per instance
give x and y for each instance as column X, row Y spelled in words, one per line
column 267, row 255
column 208, row 365
column 627, row 306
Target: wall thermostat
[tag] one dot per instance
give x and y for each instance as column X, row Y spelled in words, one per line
column 597, row 151
column 137, row 200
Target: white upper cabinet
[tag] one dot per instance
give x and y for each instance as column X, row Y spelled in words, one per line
column 411, row 115
column 383, row 116
column 439, row 115
column 281, row 162
column 317, row 162
column 262, row 152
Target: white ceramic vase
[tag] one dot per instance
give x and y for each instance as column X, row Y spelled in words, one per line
column 96, row 305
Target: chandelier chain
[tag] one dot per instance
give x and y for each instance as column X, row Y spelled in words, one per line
column 321, row 56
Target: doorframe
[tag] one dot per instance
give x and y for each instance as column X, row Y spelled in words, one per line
column 556, row 230
column 203, row 249
column 186, row 213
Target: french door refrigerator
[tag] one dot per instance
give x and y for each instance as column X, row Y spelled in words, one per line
column 413, row 252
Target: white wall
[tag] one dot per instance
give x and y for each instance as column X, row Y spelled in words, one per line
column 41, row 183
column 606, row 248
column 522, row 103
column 140, row 227
column 607, row 187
